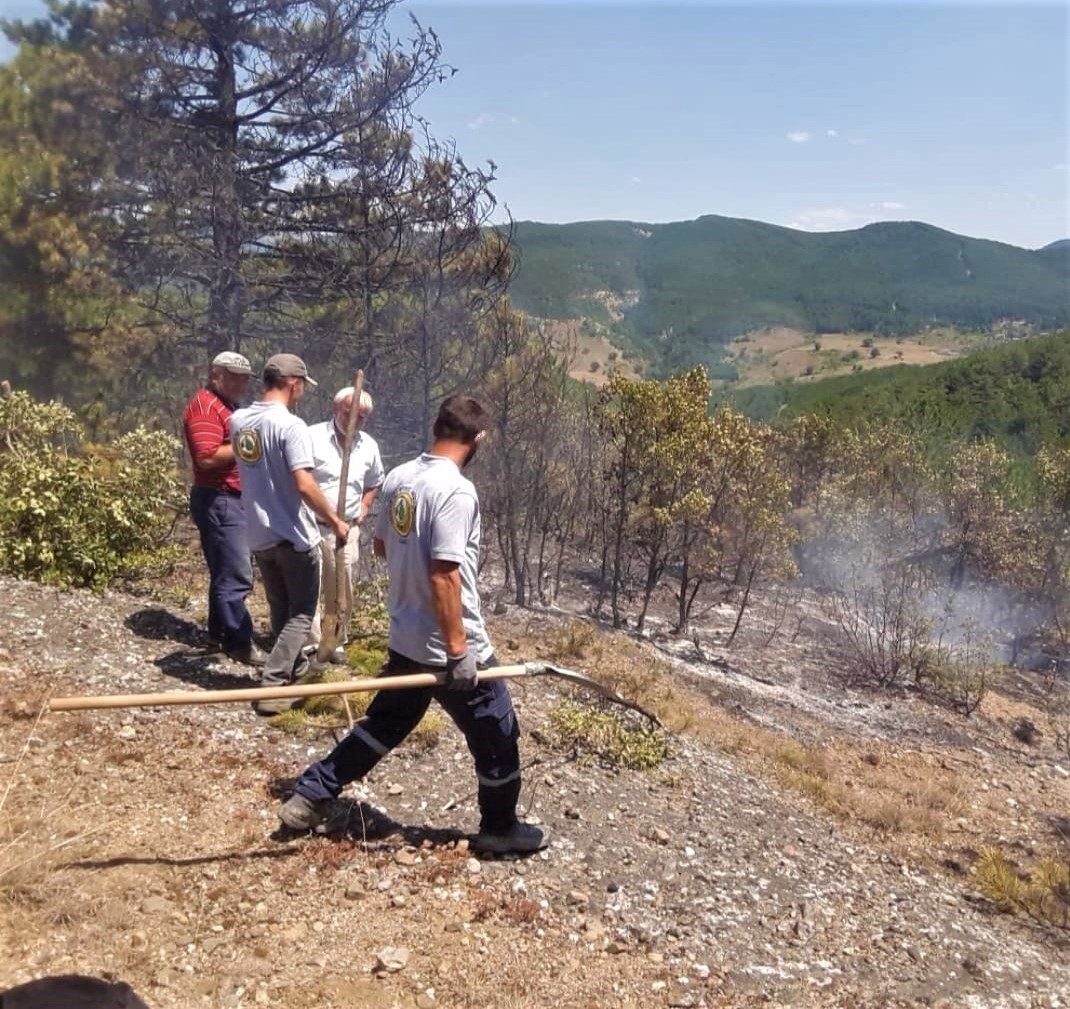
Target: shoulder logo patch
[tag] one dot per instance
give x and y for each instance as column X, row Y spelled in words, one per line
column 402, row 512
column 248, row 445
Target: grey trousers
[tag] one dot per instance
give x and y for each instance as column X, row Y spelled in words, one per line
column 292, row 584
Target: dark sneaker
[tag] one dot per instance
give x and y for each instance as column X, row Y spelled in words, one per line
column 274, row 705
column 299, row 813
column 250, row 655
column 518, row 839
column 338, row 657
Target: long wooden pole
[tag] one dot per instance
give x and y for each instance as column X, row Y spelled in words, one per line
column 269, row 693
column 332, row 630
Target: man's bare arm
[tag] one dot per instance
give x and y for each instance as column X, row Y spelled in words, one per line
column 367, row 499
column 446, row 600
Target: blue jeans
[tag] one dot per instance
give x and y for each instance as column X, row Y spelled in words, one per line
column 485, row 715
column 220, row 519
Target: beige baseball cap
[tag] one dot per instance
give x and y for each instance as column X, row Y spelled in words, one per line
column 229, row 360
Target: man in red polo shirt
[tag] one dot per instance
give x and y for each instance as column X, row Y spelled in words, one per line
column 216, row 506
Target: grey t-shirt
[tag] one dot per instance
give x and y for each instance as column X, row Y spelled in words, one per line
column 270, row 444
column 429, row 511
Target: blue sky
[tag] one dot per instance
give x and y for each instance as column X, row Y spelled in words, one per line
column 819, row 117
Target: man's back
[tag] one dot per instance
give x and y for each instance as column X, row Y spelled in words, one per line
column 430, row 511
column 270, row 443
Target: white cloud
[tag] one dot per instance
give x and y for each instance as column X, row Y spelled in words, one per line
column 636, row 179
column 1060, row 166
column 822, row 219
column 798, row 136
column 832, row 133
column 489, row 118
column 857, row 141
column 893, row 205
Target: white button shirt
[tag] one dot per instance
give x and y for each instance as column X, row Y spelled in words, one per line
column 365, row 466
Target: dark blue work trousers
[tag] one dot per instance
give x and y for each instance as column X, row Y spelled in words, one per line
column 220, row 519
column 485, row 715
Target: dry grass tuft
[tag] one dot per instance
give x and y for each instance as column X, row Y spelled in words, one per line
column 880, row 797
column 32, row 843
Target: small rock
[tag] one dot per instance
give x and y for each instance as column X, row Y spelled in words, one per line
column 973, row 968
column 577, row 897
column 473, row 866
column 660, row 835
column 405, row 857
column 424, row 1001
column 592, row 928
column 392, row 959
column 127, row 732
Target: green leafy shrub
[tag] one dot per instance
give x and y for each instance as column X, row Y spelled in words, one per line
column 75, row 514
column 1043, row 894
column 604, row 735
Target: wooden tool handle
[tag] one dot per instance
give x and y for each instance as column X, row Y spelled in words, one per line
column 408, row 681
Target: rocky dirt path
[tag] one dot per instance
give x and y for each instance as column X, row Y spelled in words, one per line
column 145, row 847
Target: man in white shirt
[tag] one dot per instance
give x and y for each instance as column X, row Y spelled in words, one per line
column 363, row 481
column 282, row 503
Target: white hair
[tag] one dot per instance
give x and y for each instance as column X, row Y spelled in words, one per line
column 366, row 402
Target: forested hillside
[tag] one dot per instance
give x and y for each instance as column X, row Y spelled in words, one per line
column 1018, row 394
column 675, row 293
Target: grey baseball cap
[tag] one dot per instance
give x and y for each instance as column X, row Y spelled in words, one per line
column 288, row 366
column 231, row 361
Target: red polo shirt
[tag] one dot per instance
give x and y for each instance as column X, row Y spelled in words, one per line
column 207, row 426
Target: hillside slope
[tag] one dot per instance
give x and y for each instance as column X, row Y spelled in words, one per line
column 1018, row 393
column 805, row 846
column 675, row 293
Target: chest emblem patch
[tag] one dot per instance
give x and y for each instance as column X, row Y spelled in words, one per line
column 248, row 445
column 402, row 512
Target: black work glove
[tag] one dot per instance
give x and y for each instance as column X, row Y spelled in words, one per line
column 461, row 672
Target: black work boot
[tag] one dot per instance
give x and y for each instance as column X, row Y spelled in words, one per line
column 520, row 838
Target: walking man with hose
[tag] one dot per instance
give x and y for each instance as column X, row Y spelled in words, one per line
column 428, row 531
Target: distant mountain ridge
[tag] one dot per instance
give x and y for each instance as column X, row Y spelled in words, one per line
column 676, row 293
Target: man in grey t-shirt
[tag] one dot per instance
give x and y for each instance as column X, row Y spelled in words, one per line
column 282, row 501
column 428, row 531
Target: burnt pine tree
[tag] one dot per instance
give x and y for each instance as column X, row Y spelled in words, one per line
column 268, row 161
